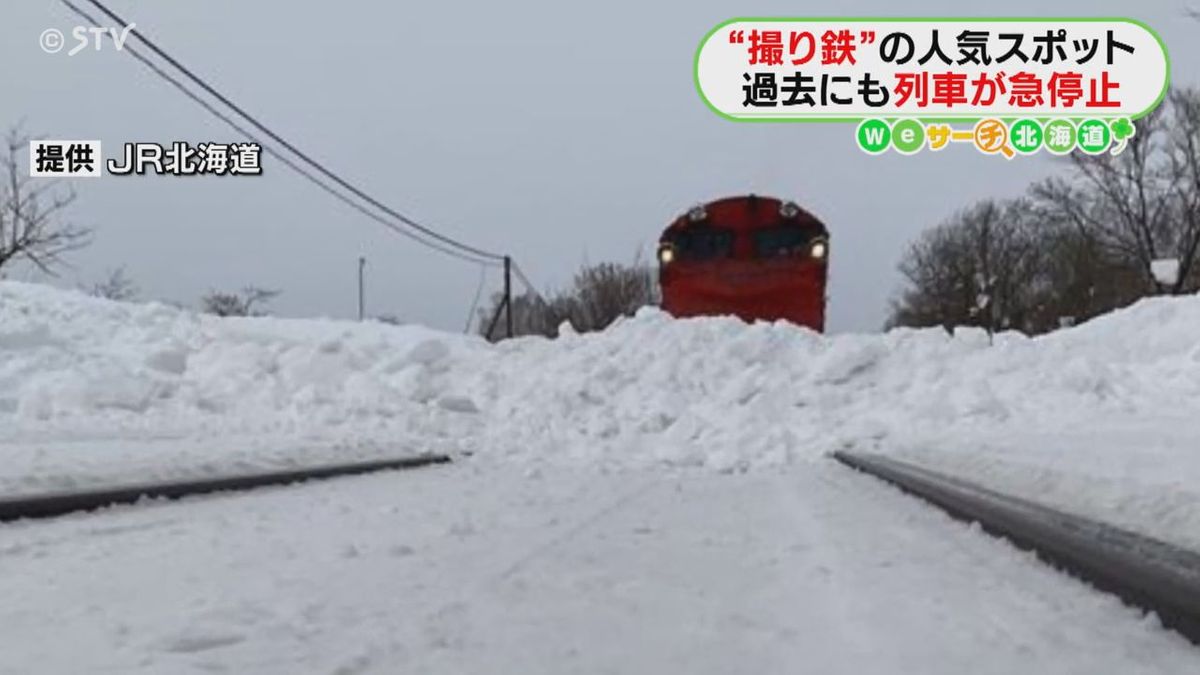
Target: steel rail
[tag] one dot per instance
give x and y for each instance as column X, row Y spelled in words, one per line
column 1144, row 572
column 63, row 503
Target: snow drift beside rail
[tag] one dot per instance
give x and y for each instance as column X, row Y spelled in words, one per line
column 649, row 390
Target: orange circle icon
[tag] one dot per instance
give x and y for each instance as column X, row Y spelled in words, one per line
column 991, row 136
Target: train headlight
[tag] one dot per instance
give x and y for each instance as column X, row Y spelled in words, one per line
column 819, row 249
column 666, row 254
column 789, row 210
column 697, row 213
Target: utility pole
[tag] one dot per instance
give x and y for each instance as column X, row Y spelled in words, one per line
column 505, row 303
column 362, row 303
column 508, row 293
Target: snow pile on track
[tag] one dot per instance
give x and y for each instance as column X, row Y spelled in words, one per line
column 649, row 391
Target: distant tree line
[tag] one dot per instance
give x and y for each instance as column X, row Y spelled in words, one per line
column 597, row 296
column 247, row 302
column 1075, row 245
column 116, row 285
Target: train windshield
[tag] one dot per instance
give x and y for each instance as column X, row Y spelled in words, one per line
column 703, row 243
column 780, row 241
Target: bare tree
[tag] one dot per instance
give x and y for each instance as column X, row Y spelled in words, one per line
column 1184, row 157
column 1140, row 205
column 115, row 286
column 532, row 314
column 599, row 294
column 237, row 304
column 607, row 291
column 982, row 267
column 1081, row 277
column 1081, row 245
column 30, row 211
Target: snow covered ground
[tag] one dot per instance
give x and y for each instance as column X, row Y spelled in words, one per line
column 1103, row 418
column 653, row 498
column 492, row 569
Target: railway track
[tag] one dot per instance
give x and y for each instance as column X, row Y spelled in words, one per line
column 1144, row 572
column 63, row 503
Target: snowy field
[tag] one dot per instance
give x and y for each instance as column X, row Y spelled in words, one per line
column 1103, row 418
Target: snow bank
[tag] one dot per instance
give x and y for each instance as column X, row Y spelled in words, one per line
column 71, row 364
column 649, row 391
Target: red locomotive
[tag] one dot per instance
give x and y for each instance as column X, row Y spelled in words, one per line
column 753, row 257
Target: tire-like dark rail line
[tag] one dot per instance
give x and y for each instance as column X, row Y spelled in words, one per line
column 59, row 504
column 1143, row 572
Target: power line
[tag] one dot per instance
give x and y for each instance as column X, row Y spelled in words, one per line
column 447, row 241
column 283, row 158
column 451, row 246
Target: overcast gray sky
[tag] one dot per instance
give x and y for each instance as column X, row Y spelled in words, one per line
column 560, row 132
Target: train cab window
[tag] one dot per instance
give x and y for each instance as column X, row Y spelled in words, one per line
column 703, row 243
column 775, row 242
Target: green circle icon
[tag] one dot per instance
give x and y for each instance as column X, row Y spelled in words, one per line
column 1093, row 136
column 874, row 136
column 1026, row 136
column 908, row 136
column 1059, row 136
